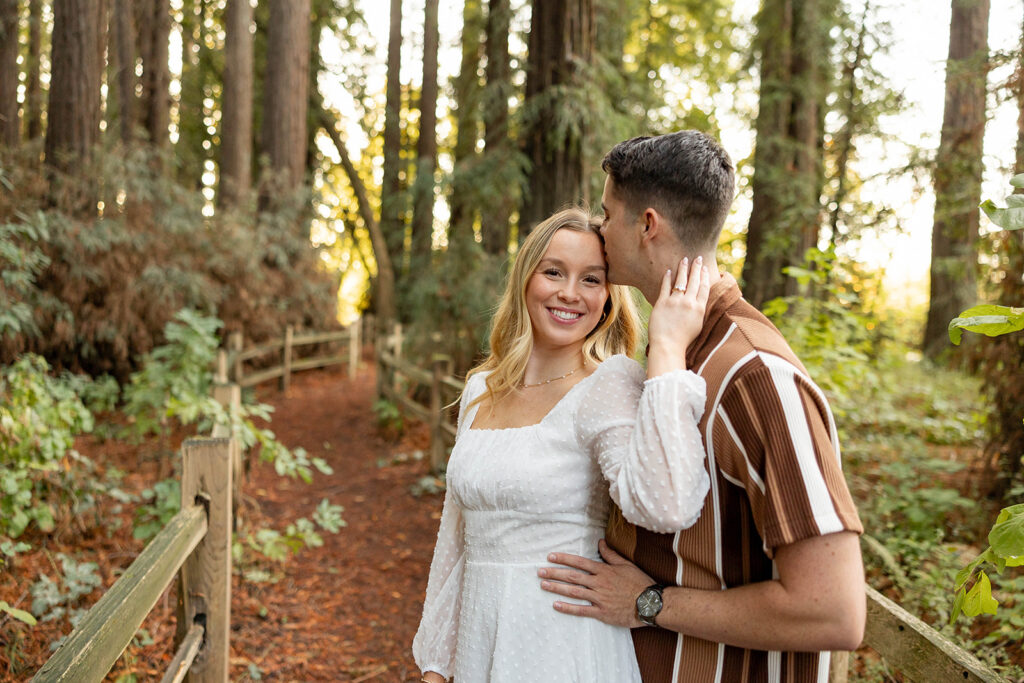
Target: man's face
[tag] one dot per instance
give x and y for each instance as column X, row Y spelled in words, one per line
column 621, row 230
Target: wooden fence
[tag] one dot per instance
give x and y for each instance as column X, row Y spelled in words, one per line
column 197, row 541
column 908, row 645
column 285, row 348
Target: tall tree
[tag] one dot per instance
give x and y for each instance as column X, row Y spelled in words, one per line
column 236, row 115
column 957, row 176
column 426, row 145
column 33, row 89
column 391, row 200
column 562, row 34
column 793, row 40
column 154, row 28
column 73, row 112
column 286, row 92
column 9, row 133
column 121, row 80
column 467, row 123
column 497, row 212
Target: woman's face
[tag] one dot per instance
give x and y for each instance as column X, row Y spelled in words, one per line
column 565, row 296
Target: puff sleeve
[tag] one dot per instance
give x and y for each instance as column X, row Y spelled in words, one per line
column 645, row 437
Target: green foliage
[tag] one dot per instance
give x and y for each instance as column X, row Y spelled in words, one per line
column 1010, row 217
column 21, row 262
column 164, row 502
column 276, row 546
column 1006, row 549
column 53, row 599
column 19, row 614
column 39, row 418
column 389, row 417
column 989, row 320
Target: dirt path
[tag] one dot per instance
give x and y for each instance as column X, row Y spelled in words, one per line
column 346, row 611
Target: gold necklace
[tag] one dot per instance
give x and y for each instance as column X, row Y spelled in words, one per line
column 524, row 385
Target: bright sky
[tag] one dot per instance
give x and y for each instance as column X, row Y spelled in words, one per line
column 916, row 65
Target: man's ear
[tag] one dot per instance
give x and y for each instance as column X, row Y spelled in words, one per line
column 653, row 225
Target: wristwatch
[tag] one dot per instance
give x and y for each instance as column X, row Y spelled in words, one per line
column 649, row 604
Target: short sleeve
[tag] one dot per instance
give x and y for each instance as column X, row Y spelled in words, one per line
column 645, row 438
column 779, row 442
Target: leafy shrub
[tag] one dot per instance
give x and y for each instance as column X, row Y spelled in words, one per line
column 39, row 418
column 53, row 599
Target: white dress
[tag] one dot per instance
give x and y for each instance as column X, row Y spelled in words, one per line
column 516, row 494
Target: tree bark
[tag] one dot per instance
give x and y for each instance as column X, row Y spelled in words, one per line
column 788, row 172
column 33, row 88
column 426, row 145
column 385, row 280
column 236, row 113
column 497, row 214
column 75, row 78
column 958, row 170
column 155, row 103
column 9, row 123
column 467, row 122
column 121, row 80
column 560, row 52
column 391, row 222
column 286, row 100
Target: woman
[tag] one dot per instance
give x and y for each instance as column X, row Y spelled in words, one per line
column 550, row 424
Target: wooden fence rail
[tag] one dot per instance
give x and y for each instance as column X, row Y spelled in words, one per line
column 911, row 647
column 285, row 347
column 197, row 541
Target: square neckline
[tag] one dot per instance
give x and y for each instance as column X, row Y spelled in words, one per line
column 476, row 408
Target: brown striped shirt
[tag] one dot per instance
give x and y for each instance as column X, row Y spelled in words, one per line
column 773, row 458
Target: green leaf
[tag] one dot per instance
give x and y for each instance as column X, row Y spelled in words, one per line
column 1007, row 534
column 987, row 319
column 1008, row 218
column 1017, row 180
column 979, row 598
column 19, row 614
column 958, row 604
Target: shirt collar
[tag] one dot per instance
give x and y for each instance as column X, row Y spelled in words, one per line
column 722, row 296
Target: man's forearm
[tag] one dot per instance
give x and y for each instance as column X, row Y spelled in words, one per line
column 817, row 604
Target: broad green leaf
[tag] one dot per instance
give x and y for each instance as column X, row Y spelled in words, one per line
column 19, row 614
column 1017, row 180
column 1008, row 218
column 979, row 598
column 1007, row 534
column 987, row 319
column 958, row 604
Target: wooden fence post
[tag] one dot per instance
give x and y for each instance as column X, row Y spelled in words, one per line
column 395, row 342
column 229, row 395
column 440, row 368
column 286, row 359
column 354, row 347
column 204, row 585
column 369, row 328
column 235, row 342
column 839, row 669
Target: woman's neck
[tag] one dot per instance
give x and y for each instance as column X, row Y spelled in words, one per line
column 547, row 364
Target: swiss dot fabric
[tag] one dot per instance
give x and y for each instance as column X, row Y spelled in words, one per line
column 514, row 495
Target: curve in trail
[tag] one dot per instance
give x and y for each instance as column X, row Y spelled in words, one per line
column 346, row 611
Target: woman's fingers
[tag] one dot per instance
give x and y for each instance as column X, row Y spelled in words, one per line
column 682, row 275
column 704, row 291
column 666, row 286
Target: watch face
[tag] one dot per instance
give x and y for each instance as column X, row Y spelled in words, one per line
column 649, row 603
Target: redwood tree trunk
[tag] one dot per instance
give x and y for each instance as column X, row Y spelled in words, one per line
column 122, row 60
column 154, row 32
column 286, row 97
column 391, row 222
column 9, row 124
column 958, row 170
column 426, row 146
column 75, row 77
column 496, row 214
column 561, row 42
column 236, row 114
column 33, row 90
column 467, row 120
column 788, row 175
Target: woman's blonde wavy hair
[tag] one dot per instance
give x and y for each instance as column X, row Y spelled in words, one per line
column 512, row 332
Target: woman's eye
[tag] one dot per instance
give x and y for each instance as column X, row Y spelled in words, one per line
column 593, row 280
column 552, row 272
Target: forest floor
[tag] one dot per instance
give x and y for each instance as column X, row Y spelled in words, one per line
column 346, row 611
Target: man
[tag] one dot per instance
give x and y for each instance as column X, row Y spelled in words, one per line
column 769, row 579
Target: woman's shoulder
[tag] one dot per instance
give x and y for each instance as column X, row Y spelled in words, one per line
column 621, row 365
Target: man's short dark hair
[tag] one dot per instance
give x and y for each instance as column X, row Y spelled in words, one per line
column 686, row 176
